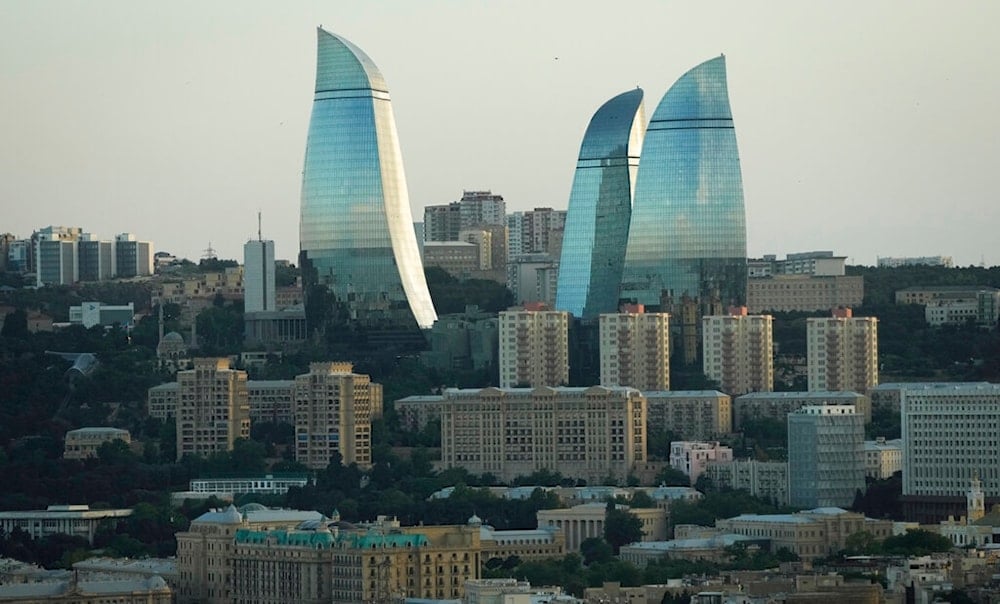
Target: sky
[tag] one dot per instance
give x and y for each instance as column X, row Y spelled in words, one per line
column 866, row 128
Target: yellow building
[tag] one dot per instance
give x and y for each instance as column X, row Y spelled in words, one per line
column 213, row 409
column 333, row 413
column 635, row 349
column 807, row 293
column 84, row 442
column 842, row 352
column 738, row 351
column 691, row 414
column 534, row 348
column 586, row 520
column 589, row 433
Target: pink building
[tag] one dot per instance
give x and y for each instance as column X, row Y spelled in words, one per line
column 693, row 457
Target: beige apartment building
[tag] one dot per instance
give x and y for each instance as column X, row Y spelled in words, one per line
column 333, row 413
column 738, row 351
column 842, row 352
column 589, row 433
column 807, row 293
column 777, row 405
column 635, row 349
column 84, row 442
column 691, row 414
column 213, row 409
column 534, row 348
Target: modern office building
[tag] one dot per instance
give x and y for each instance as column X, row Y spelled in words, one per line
column 777, row 405
column 635, row 349
column 534, row 348
column 212, row 408
column 94, row 258
column 688, row 227
column 738, row 351
column 690, row 414
column 356, row 228
column 55, row 255
column 842, row 352
column 950, row 437
column 600, row 207
column 589, row 433
column 826, row 456
column 333, row 414
column 133, row 258
column 91, row 314
column 258, row 276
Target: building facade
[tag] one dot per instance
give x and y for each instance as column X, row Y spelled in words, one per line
column 584, row 521
column 764, row 479
column 688, row 226
column 635, row 349
column 600, row 208
column 691, row 414
column 356, row 229
column 738, row 351
column 75, row 520
column 589, row 433
column 804, row 293
column 883, row 458
column 842, row 352
column 693, row 458
column 333, row 414
column 259, row 276
column 534, row 348
column 84, row 442
column 777, row 405
column 826, row 458
column 213, row 409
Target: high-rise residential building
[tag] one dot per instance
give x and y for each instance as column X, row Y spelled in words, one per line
column 356, row 227
column 478, row 208
column 600, row 207
column 540, row 231
column 534, row 348
column 842, row 352
column 258, row 276
column 589, row 433
column 133, row 258
column 826, row 456
column 738, row 351
column 635, row 349
column 688, row 227
column 213, row 409
column 443, row 222
column 950, row 437
column 333, row 414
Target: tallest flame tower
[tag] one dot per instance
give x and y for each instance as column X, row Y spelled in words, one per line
column 356, row 229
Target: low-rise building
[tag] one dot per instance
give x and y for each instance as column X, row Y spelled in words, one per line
column 581, row 522
column 883, row 458
column 75, row 520
column 804, row 293
column 693, row 457
column 525, row 544
column 268, row 484
column 84, row 442
column 712, row 549
column 690, row 414
column 92, row 314
column 135, row 591
column 417, row 411
column 764, row 479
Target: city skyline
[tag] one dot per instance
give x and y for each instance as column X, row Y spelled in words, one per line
column 868, row 131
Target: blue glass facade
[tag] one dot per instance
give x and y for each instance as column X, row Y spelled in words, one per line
column 356, row 228
column 688, row 229
column 600, row 207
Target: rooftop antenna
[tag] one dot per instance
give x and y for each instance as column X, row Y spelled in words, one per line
column 209, row 252
column 259, row 236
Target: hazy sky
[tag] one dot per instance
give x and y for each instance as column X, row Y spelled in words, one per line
column 869, row 128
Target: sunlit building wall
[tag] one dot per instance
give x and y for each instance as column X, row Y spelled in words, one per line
column 356, row 229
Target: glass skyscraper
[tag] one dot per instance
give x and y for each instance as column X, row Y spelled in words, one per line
column 356, row 228
column 688, row 229
column 600, row 206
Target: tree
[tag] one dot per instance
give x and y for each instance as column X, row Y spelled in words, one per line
column 595, row 549
column 15, row 325
column 621, row 527
column 672, row 477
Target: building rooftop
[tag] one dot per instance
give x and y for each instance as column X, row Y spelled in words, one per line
column 812, row 394
column 682, row 393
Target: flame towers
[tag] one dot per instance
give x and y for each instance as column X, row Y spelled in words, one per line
column 688, row 229
column 600, row 206
column 356, row 228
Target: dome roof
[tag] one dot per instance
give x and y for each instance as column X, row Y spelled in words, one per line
column 174, row 338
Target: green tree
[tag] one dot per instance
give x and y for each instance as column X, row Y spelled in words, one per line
column 595, row 549
column 672, row 477
column 15, row 324
column 621, row 527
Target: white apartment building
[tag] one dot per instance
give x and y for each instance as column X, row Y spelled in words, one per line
column 826, row 462
column 693, row 457
column 534, row 348
column 635, row 349
column 842, row 352
column 738, row 351
column 589, row 433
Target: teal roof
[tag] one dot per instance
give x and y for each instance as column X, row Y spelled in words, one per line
column 326, row 539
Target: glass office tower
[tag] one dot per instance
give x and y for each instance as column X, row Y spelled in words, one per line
column 356, row 228
column 688, row 230
column 600, row 206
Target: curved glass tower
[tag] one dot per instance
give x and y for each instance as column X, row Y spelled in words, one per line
column 600, row 206
column 356, row 229
column 688, row 230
